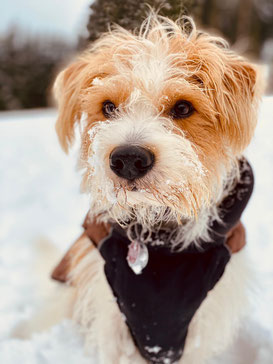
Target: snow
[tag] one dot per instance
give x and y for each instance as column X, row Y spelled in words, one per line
column 61, row 344
column 40, row 203
column 97, row 81
column 153, row 349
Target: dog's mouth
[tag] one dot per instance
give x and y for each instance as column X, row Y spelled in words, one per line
column 131, row 186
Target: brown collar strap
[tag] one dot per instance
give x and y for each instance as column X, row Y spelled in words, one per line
column 96, row 231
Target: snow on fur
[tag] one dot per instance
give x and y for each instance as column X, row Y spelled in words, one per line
column 40, row 201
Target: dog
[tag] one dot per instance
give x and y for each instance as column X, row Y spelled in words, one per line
column 164, row 115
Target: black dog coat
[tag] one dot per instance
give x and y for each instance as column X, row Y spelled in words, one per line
column 160, row 303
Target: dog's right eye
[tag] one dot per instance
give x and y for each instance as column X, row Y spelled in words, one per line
column 182, row 109
column 108, row 108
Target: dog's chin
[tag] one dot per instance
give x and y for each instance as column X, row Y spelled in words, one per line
column 138, row 197
column 142, row 207
column 149, row 209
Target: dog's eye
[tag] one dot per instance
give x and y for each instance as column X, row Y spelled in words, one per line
column 182, row 109
column 108, row 108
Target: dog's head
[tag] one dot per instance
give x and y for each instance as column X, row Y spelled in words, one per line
column 163, row 114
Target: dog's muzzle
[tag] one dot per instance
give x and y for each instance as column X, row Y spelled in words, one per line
column 131, row 162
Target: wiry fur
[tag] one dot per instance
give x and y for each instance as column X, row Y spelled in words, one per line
column 196, row 160
column 144, row 75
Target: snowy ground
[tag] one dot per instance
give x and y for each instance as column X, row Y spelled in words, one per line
column 40, row 201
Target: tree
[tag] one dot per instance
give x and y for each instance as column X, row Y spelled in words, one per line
column 27, row 67
column 247, row 20
column 130, row 13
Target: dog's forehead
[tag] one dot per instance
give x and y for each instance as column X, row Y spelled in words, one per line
column 151, row 70
column 151, row 66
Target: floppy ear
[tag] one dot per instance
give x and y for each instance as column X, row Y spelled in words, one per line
column 67, row 90
column 237, row 101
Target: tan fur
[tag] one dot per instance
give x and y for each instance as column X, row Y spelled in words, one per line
column 203, row 72
column 144, row 74
column 222, row 86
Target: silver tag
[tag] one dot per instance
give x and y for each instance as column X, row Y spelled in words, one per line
column 137, row 256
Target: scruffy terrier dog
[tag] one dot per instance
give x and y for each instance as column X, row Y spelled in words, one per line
column 164, row 117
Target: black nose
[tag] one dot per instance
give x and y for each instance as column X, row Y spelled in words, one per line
column 131, row 162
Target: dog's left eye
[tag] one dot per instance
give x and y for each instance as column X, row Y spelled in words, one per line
column 182, row 109
column 108, row 108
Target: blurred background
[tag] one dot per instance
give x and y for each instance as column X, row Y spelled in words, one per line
column 38, row 37
column 40, row 201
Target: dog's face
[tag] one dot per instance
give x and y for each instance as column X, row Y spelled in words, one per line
column 163, row 114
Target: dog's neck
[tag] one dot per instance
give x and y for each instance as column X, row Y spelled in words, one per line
column 178, row 235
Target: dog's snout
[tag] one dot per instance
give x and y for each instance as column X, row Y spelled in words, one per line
column 131, row 162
